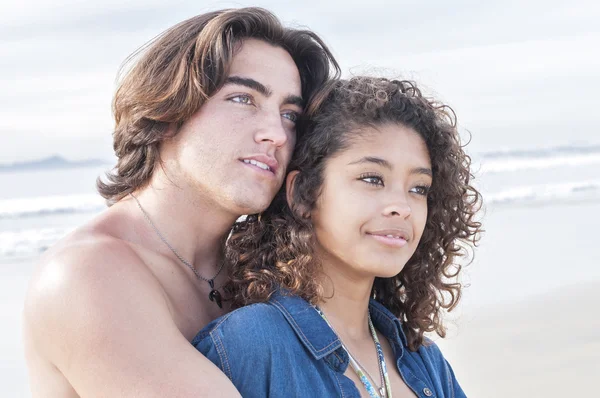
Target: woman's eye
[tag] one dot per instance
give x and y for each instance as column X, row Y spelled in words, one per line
column 292, row 116
column 242, row 99
column 421, row 190
column 373, row 180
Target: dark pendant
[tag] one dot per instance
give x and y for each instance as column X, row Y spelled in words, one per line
column 214, row 294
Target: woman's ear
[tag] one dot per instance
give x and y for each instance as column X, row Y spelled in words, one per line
column 289, row 187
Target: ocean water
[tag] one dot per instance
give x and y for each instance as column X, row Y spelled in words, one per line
column 39, row 207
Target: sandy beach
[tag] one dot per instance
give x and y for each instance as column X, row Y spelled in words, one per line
column 13, row 284
column 546, row 346
column 527, row 326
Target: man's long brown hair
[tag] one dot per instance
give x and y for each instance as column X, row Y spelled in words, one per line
column 168, row 80
column 276, row 249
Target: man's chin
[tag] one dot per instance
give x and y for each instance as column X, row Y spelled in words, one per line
column 253, row 205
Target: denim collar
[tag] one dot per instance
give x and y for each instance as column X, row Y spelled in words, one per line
column 316, row 335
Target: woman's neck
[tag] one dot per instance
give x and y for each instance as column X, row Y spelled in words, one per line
column 346, row 302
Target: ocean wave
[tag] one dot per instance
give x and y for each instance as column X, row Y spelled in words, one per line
column 543, row 152
column 509, row 164
column 50, row 205
column 546, row 193
column 29, row 242
column 511, row 160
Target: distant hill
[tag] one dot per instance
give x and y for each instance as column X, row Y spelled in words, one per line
column 53, row 162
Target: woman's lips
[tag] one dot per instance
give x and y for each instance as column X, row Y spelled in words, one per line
column 389, row 239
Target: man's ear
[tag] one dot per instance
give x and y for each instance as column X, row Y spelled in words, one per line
column 289, row 187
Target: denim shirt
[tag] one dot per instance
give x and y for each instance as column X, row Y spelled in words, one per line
column 285, row 348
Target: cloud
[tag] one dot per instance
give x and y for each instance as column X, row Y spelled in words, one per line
column 512, row 70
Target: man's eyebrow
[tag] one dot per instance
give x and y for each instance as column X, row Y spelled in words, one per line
column 382, row 162
column 294, row 100
column 250, row 83
column 264, row 90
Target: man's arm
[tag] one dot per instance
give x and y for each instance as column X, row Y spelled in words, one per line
column 100, row 316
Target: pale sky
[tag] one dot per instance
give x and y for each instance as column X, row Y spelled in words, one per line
column 519, row 74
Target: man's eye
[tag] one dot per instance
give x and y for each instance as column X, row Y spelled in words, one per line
column 292, row 116
column 242, row 99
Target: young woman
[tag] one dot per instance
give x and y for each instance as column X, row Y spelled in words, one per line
column 356, row 258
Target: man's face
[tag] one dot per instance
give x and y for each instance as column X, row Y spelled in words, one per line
column 235, row 149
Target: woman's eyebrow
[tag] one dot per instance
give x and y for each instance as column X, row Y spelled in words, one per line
column 382, row 162
column 422, row 170
column 375, row 160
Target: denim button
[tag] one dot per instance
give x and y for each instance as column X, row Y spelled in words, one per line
column 427, row 392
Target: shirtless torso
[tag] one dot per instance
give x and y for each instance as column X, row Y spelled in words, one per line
column 111, row 313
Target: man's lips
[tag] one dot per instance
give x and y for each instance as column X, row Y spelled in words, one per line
column 263, row 162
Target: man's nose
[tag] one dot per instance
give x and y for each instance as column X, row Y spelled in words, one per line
column 271, row 129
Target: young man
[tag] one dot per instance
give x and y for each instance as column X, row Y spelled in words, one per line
column 205, row 127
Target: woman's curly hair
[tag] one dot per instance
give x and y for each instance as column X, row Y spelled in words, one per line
column 276, row 248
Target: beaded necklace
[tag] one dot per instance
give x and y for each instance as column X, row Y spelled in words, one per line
column 385, row 390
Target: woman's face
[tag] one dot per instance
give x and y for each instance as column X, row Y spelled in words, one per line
column 372, row 209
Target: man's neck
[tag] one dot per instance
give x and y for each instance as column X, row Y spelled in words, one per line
column 194, row 226
column 347, row 302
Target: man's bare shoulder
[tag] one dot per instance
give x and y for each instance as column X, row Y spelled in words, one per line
column 95, row 311
column 87, row 269
column 90, row 258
